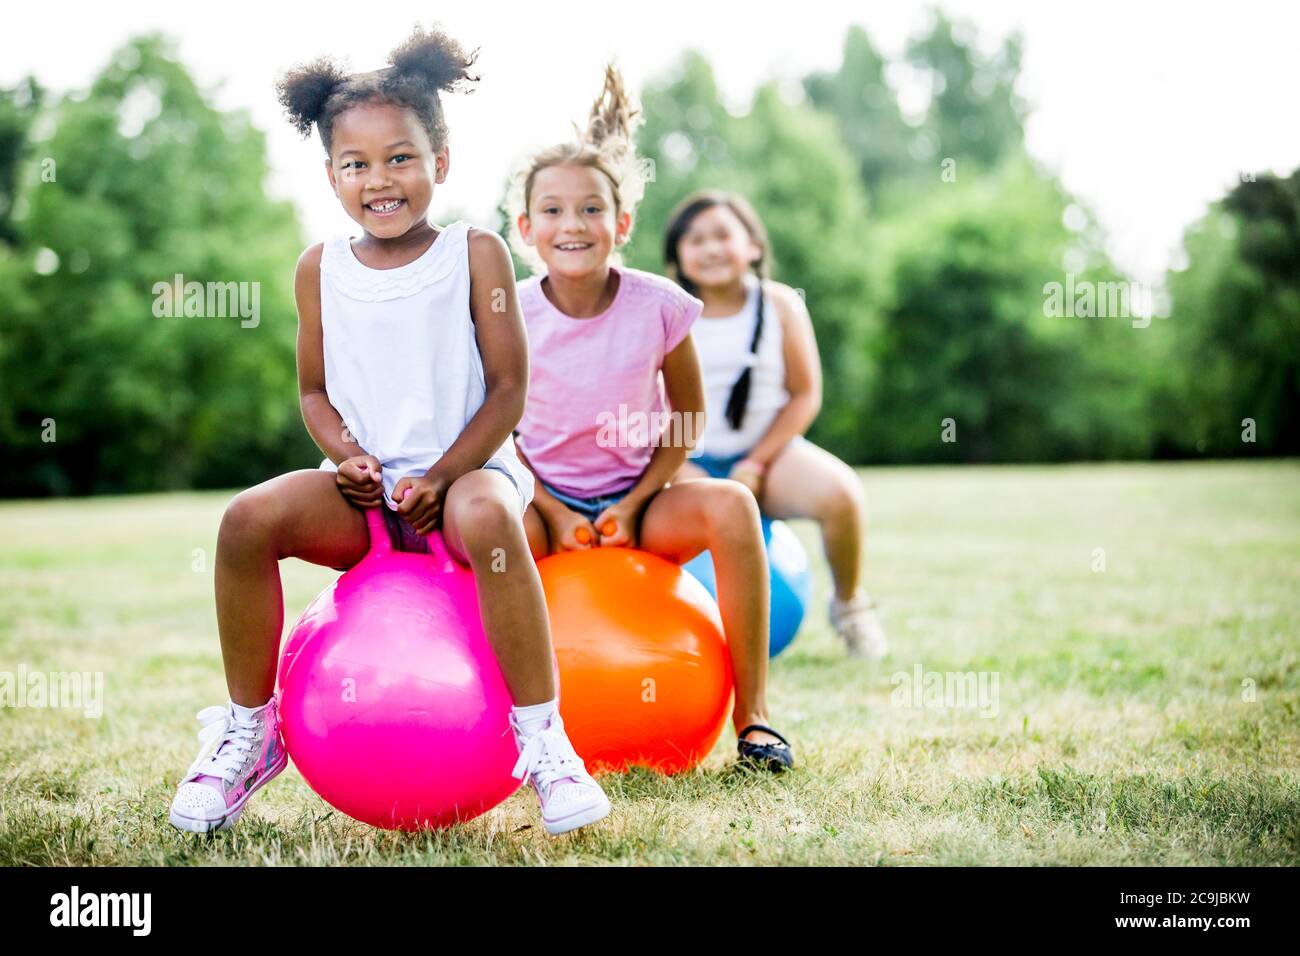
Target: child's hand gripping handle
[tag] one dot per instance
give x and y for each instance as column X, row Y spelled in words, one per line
column 381, row 543
column 584, row 536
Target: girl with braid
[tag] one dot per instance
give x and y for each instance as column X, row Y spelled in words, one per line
column 762, row 386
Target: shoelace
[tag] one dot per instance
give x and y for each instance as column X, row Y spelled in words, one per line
column 549, row 757
column 220, row 726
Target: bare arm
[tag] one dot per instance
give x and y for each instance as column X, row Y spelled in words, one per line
column 358, row 476
column 803, row 374
column 324, row 423
column 684, row 387
column 503, row 343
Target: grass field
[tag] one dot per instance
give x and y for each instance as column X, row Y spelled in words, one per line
column 1146, row 713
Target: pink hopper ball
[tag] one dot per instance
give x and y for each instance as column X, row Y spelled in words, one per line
column 393, row 705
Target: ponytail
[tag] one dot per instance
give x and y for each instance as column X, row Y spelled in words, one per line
column 608, row 145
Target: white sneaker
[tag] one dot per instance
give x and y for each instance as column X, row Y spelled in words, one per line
column 570, row 797
column 858, row 625
column 237, row 758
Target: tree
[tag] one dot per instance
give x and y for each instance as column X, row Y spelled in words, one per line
column 18, row 109
column 790, row 162
column 868, row 116
column 1236, row 312
column 150, row 182
column 972, row 367
column 974, row 113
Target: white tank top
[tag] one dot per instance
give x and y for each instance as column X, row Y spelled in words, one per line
column 723, row 346
column 402, row 365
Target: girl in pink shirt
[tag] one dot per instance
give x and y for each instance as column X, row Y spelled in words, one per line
column 616, row 400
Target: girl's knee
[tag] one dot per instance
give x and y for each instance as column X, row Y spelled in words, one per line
column 485, row 519
column 842, row 499
column 491, row 511
column 730, row 508
column 249, row 518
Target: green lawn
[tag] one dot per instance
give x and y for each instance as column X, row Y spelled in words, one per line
column 1146, row 713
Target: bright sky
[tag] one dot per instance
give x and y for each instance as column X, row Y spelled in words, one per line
column 1147, row 110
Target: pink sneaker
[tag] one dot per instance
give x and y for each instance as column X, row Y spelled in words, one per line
column 570, row 797
column 236, row 759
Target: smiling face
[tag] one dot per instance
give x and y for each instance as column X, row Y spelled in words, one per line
column 571, row 220
column 383, row 168
column 716, row 250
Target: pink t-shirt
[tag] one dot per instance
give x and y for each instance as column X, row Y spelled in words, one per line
column 595, row 392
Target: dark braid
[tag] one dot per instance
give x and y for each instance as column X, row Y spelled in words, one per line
column 738, row 400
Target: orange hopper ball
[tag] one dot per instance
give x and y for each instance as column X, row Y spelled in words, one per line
column 645, row 677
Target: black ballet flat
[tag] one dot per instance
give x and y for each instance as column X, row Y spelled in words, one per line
column 775, row 757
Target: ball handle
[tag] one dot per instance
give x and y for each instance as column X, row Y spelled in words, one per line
column 381, row 543
column 438, row 550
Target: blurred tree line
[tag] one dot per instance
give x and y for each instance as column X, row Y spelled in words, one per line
column 103, row 194
column 924, row 241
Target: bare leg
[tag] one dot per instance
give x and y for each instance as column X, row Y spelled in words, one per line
column 805, row 481
column 722, row 516
column 539, row 538
column 300, row 514
column 482, row 527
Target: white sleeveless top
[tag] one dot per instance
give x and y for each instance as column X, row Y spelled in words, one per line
column 402, row 365
column 723, row 346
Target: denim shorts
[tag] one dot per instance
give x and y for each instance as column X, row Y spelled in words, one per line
column 589, row 508
column 719, row 466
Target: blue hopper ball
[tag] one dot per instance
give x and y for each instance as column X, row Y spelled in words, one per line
column 791, row 581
